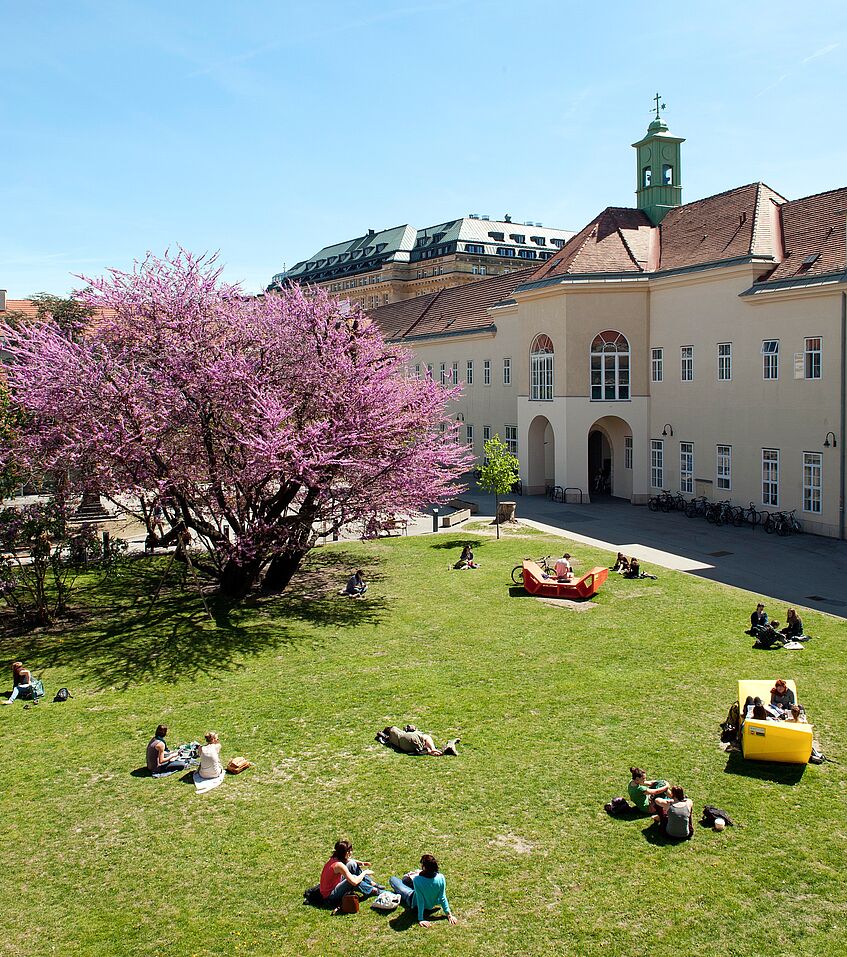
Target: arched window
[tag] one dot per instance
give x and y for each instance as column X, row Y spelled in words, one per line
column 667, row 175
column 541, row 369
column 646, row 177
column 609, row 367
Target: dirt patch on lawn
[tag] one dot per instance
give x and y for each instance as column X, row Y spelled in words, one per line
column 568, row 604
column 512, row 842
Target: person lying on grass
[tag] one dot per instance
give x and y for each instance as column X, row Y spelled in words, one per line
column 343, row 874
column 635, row 570
column 424, row 890
column 159, row 759
column 674, row 814
column 356, row 585
column 643, row 793
column 411, row 741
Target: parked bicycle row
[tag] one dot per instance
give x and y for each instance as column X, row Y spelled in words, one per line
column 725, row 513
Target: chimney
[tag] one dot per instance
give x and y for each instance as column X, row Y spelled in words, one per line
column 371, row 232
column 2, row 300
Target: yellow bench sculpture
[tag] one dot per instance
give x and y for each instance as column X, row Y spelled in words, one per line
column 788, row 742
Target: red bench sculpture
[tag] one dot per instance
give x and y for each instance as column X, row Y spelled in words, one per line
column 536, row 584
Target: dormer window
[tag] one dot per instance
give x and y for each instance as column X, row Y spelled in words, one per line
column 667, row 174
column 646, row 177
column 497, row 237
column 518, row 237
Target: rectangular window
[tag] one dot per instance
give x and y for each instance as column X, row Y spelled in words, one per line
column 770, row 359
column 469, row 435
column 486, row 433
column 507, row 372
column 686, row 467
column 770, row 476
column 486, row 372
column 476, row 248
column 723, row 467
column 417, row 370
column 657, row 463
column 686, row 363
column 429, row 369
column 454, row 373
column 512, row 439
column 627, row 451
column 724, row 361
column 469, row 372
column 541, row 376
column 657, row 362
column 812, row 465
column 443, row 370
column 812, row 358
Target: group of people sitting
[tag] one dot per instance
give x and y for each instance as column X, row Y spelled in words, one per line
column 767, row 632
column 420, row 891
column 783, row 705
column 466, row 559
column 206, row 758
column 666, row 803
column 629, row 567
column 409, row 740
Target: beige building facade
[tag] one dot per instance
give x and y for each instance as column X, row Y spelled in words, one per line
column 698, row 348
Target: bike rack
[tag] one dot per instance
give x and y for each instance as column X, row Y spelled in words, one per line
column 572, row 489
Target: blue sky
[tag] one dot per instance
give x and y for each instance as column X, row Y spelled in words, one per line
column 266, row 130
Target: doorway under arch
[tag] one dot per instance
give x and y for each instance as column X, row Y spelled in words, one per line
column 541, row 459
column 609, row 471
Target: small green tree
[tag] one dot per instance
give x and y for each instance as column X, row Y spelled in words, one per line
column 499, row 473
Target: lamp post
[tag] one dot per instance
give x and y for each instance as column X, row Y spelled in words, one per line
column 667, row 429
column 435, row 519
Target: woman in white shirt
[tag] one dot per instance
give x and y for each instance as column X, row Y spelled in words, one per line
column 210, row 757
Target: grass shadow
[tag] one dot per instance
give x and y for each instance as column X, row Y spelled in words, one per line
column 126, row 640
column 790, row 774
column 655, row 835
column 459, row 543
column 407, row 919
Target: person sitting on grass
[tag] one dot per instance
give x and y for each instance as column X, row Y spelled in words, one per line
column 466, row 558
column 621, row 564
column 424, row 891
column 635, row 570
column 643, row 793
column 674, row 814
column 343, row 874
column 160, row 760
column 782, row 696
column 411, row 741
column 793, row 630
column 21, row 683
column 758, row 620
column 768, row 636
column 564, row 569
column 356, row 585
column 210, row 757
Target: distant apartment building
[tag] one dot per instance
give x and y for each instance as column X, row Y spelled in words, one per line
column 400, row 263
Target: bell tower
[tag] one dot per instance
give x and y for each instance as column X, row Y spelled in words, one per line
column 659, row 169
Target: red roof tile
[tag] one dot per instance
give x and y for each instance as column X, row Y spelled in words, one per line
column 814, row 226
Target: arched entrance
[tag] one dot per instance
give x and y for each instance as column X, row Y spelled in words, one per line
column 610, row 458
column 541, row 459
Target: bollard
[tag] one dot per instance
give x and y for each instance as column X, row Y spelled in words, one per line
column 435, row 519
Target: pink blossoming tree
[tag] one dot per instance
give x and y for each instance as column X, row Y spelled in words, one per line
column 259, row 423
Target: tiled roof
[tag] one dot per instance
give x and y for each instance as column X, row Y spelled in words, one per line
column 457, row 309
column 813, row 226
column 28, row 309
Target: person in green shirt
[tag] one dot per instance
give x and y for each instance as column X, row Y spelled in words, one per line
column 643, row 792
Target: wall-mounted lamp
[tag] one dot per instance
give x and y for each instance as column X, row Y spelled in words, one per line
column 667, row 429
column 827, row 444
column 460, row 417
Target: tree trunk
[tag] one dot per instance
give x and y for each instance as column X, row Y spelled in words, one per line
column 282, row 569
column 236, row 579
column 497, row 513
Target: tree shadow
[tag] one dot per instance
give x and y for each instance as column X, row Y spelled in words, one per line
column 459, row 543
column 764, row 770
column 126, row 639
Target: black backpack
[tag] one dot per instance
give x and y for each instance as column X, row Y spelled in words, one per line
column 617, row 806
column 710, row 815
column 313, row 896
column 62, row 695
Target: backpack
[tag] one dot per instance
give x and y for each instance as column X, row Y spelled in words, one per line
column 711, row 813
column 313, row 896
column 62, row 695
column 386, row 901
column 729, row 728
column 617, row 806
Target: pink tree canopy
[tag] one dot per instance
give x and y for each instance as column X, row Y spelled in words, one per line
column 259, row 422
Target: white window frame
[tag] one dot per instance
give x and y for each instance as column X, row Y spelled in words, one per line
column 770, row 359
column 507, row 372
column 486, row 372
column 627, row 451
column 657, row 463
column 429, row 369
column 813, row 482
column 770, row 477
column 605, row 363
column 657, row 364
column 417, row 370
column 511, row 439
column 454, row 373
column 813, row 358
column 541, row 370
column 686, row 467
column 486, row 434
column 724, row 362
column 443, row 371
column 469, row 437
column 469, row 372
column 723, row 467
column 686, row 363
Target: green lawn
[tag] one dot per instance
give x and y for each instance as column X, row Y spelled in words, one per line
column 553, row 706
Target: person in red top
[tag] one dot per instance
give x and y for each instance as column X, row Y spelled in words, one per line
column 343, row 874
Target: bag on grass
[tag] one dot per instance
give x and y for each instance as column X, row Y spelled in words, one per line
column 710, row 815
column 237, row 765
column 313, row 896
column 350, row 904
column 62, row 695
column 617, row 806
column 386, row 901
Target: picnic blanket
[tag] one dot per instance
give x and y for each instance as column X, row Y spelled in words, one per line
column 202, row 785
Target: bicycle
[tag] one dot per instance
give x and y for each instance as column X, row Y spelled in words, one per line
column 696, row 508
column 543, row 564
